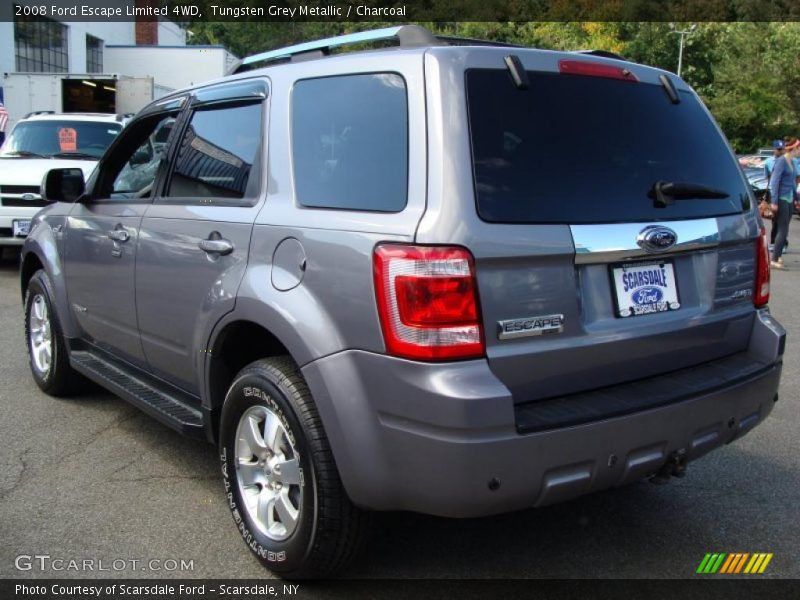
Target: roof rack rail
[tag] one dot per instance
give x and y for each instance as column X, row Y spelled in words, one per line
column 39, row 112
column 407, row 35
column 601, row 53
column 463, row 41
column 122, row 116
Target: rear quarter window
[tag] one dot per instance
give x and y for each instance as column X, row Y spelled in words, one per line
column 579, row 149
column 350, row 142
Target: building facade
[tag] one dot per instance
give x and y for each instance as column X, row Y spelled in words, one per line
column 51, row 46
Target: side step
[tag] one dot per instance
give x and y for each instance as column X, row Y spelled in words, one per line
column 158, row 403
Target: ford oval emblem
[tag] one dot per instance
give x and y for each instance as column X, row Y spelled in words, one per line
column 28, row 196
column 656, row 238
column 647, row 295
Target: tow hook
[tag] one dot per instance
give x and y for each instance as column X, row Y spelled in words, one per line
column 675, row 467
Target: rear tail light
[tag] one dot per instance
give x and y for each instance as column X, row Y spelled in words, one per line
column 761, row 296
column 428, row 302
column 595, row 69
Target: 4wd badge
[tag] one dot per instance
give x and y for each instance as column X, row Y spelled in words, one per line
column 516, row 328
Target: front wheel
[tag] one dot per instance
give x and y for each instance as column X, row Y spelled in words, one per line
column 47, row 351
column 280, row 477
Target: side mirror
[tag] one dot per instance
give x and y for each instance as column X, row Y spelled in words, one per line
column 63, row 185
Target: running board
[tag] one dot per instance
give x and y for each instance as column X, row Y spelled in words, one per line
column 158, row 403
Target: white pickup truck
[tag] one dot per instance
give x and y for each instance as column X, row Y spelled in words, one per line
column 40, row 142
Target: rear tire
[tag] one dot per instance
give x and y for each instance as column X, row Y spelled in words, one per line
column 280, row 478
column 47, row 350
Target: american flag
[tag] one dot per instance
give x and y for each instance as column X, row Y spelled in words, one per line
column 3, row 118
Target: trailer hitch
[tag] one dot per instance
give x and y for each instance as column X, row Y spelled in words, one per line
column 674, row 467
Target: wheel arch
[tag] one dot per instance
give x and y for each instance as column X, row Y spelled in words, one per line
column 235, row 343
column 29, row 265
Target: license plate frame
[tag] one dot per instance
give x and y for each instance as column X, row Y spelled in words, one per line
column 20, row 227
column 655, row 292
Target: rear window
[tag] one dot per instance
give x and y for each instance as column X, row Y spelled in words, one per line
column 577, row 149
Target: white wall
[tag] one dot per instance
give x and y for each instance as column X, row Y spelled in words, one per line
column 169, row 34
column 110, row 33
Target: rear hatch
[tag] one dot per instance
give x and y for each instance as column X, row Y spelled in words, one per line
column 624, row 243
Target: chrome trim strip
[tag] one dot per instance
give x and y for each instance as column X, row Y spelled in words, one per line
column 616, row 242
column 30, row 196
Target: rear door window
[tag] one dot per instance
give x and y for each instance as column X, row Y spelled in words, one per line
column 579, row 149
column 217, row 152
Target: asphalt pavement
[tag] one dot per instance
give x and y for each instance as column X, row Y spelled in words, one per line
column 94, row 479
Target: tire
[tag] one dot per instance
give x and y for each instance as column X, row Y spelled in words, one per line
column 47, row 351
column 296, row 518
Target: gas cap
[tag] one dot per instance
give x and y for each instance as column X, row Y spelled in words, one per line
column 288, row 265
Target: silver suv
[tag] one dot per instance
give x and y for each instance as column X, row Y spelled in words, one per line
column 453, row 279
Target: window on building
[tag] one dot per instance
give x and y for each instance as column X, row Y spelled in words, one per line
column 94, row 54
column 40, row 45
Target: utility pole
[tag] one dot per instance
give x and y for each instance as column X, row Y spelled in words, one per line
column 683, row 33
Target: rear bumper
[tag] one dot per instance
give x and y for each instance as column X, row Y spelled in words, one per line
column 431, row 438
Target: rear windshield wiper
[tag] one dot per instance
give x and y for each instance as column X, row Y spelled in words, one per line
column 74, row 155
column 664, row 193
column 25, row 154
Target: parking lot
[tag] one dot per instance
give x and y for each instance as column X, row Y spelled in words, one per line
column 93, row 478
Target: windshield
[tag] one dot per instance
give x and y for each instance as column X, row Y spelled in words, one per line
column 81, row 139
column 577, row 149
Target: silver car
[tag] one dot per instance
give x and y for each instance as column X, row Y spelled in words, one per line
column 458, row 280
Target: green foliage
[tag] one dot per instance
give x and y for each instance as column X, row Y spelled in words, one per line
column 747, row 73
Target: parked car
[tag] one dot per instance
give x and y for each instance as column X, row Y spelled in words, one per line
column 757, row 179
column 40, row 142
column 384, row 280
column 752, row 161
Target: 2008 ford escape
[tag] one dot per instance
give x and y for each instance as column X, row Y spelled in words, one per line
column 453, row 279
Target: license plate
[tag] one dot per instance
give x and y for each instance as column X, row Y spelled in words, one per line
column 21, row 228
column 643, row 289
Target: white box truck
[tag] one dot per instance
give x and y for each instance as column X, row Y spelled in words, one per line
column 25, row 93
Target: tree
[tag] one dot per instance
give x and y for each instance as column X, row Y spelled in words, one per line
column 747, row 73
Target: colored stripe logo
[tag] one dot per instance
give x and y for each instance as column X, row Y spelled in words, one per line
column 734, row 563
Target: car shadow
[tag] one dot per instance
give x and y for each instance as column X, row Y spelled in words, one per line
column 620, row 533
column 9, row 259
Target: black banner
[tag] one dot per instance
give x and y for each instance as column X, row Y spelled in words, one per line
column 188, row 11
column 199, row 589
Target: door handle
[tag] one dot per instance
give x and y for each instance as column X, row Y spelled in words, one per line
column 219, row 246
column 119, row 235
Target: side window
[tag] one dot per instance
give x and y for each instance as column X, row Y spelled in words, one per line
column 217, row 153
column 350, row 142
column 136, row 173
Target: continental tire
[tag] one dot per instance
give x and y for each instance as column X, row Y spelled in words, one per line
column 280, row 478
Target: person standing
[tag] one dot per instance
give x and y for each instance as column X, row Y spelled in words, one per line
column 777, row 151
column 778, row 148
column 782, row 191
